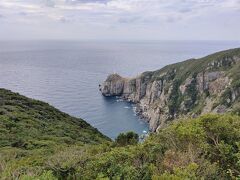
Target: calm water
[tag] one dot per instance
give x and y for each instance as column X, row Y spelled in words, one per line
column 67, row 74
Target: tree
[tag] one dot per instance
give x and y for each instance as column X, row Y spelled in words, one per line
column 128, row 138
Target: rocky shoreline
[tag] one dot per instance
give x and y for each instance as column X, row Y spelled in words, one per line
column 186, row 89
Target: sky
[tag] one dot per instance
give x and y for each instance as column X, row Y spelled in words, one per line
column 120, row 19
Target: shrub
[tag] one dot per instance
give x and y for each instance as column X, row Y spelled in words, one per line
column 129, row 138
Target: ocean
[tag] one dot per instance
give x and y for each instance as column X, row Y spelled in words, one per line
column 66, row 74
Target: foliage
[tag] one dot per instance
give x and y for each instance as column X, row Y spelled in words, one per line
column 217, row 61
column 129, row 138
column 32, row 130
column 207, row 147
column 204, row 148
column 174, row 98
column 46, row 175
column 191, row 94
column 29, row 124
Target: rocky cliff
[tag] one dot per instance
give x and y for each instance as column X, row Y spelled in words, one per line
column 189, row 88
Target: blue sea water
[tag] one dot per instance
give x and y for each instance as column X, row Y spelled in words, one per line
column 66, row 74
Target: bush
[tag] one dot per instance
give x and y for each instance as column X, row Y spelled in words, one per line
column 129, row 138
column 46, row 175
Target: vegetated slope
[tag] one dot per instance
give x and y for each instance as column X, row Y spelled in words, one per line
column 28, row 123
column 204, row 148
column 186, row 89
column 30, row 130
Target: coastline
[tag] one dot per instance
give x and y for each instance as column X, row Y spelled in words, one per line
column 182, row 90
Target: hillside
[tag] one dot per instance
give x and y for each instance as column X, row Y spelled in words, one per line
column 186, row 89
column 31, row 130
column 24, row 120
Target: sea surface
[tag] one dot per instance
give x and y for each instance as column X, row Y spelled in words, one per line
column 66, row 74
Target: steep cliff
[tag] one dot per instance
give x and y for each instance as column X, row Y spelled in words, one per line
column 189, row 88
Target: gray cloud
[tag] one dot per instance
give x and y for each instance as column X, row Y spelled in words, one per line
column 49, row 3
column 23, row 13
column 180, row 19
column 172, row 19
column 86, row 1
column 64, row 20
column 130, row 19
column 185, row 10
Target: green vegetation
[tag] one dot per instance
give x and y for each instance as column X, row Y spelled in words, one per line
column 218, row 61
column 31, row 131
column 174, row 98
column 129, row 138
column 191, row 94
column 204, row 148
column 37, row 141
column 29, row 124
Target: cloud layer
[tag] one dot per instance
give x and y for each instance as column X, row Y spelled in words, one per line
column 120, row 19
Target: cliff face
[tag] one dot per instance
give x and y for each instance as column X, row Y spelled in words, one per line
column 189, row 88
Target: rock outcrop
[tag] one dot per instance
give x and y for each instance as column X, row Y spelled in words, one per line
column 113, row 86
column 189, row 88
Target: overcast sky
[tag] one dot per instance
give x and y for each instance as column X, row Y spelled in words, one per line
column 120, row 19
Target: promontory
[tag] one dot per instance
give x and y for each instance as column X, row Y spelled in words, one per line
column 187, row 89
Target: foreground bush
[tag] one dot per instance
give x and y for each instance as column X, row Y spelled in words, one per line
column 204, row 148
